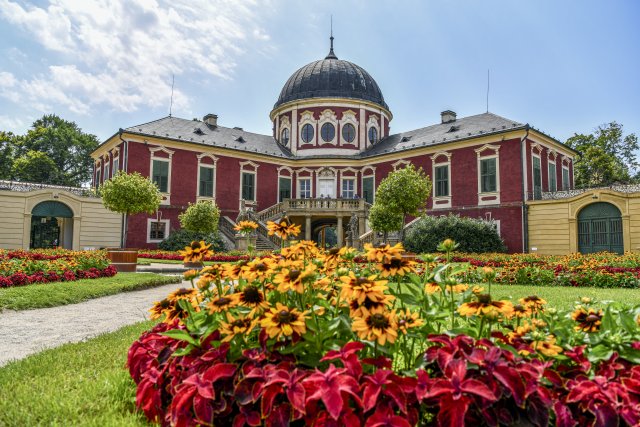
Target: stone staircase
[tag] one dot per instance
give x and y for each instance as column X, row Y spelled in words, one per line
column 392, row 238
column 264, row 242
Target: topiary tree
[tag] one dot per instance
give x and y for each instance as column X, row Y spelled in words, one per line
column 472, row 235
column 130, row 194
column 384, row 220
column 404, row 192
column 201, row 217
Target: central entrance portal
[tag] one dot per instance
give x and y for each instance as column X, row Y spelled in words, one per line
column 326, row 188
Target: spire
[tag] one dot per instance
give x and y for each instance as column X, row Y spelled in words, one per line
column 331, row 55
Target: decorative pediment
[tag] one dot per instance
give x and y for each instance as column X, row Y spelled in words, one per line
column 307, row 116
column 155, row 150
column 537, row 147
column 348, row 171
column 373, row 121
column 202, row 156
column 327, row 172
column 285, row 122
column 304, row 172
column 368, row 170
column 487, row 147
column 284, row 170
column 328, row 114
column 248, row 165
column 441, row 157
column 349, row 115
column 400, row 164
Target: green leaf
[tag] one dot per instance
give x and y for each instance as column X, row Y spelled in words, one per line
column 183, row 351
column 181, row 335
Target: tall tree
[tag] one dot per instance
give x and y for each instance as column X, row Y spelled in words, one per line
column 65, row 144
column 607, row 156
column 35, row 166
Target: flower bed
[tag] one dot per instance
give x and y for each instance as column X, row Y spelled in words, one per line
column 18, row 268
column 314, row 338
column 603, row 270
column 168, row 255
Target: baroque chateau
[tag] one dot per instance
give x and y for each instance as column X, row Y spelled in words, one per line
column 330, row 147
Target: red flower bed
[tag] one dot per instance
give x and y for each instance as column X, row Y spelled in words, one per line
column 178, row 257
column 21, row 279
column 463, row 382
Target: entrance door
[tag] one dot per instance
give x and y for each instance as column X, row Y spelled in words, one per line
column 45, row 232
column 326, row 187
column 600, row 229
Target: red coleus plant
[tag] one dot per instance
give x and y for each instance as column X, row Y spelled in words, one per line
column 464, row 382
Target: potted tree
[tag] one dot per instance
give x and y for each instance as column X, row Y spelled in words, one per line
column 201, row 218
column 128, row 194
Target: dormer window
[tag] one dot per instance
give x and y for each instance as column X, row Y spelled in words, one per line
column 198, row 131
column 405, row 139
column 240, row 139
column 284, row 139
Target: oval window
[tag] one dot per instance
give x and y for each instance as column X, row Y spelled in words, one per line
column 373, row 135
column 307, row 133
column 285, row 136
column 328, row 132
column 348, row 132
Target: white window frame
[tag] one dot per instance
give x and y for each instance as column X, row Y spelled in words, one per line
column 366, row 174
column 400, row 164
column 494, row 153
column 307, row 118
column 348, row 117
column 243, row 169
column 441, row 202
column 533, row 175
column 355, row 186
column 213, row 166
column 166, row 197
column 98, row 175
column 167, row 230
column 328, row 116
column 551, row 164
column 282, row 169
column 107, row 170
column 299, row 187
column 372, row 123
column 286, row 124
column 568, row 184
column 116, row 165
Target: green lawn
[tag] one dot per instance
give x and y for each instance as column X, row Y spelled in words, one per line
column 564, row 297
column 75, row 384
column 61, row 293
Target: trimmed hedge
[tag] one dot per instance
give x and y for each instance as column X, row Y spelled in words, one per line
column 178, row 239
column 473, row 235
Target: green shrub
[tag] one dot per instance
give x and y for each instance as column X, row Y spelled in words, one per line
column 178, row 239
column 201, row 217
column 473, row 235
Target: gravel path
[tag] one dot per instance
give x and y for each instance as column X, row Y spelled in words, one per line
column 26, row 332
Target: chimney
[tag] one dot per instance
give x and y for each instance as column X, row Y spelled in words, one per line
column 448, row 116
column 211, row 120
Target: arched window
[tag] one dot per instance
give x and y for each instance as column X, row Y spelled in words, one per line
column 348, row 132
column 373, row 135
column 285, row 136
column 328, row 132
column 307, row 133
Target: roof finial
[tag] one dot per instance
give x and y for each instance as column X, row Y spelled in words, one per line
column 331, row 55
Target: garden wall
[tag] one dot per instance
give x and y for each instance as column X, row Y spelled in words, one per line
column 90, row 225
column 553, row 224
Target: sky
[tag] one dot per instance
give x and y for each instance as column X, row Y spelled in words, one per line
column 564, row 67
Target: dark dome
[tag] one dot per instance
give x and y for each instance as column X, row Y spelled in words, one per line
column 331, row 77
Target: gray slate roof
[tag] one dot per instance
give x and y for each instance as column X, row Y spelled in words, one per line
column 442, row 133
column 199, row 132
column 236, row 139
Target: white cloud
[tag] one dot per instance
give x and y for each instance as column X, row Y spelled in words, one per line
column 122, row 53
